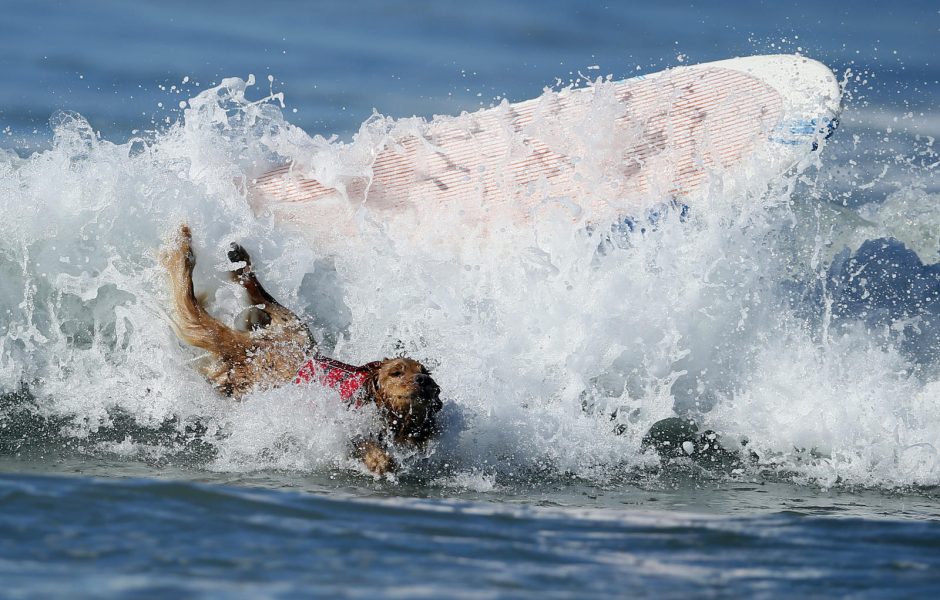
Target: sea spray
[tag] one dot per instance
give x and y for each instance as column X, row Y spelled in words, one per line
column 557, row 342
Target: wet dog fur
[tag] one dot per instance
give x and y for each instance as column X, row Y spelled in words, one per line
column 276, row 343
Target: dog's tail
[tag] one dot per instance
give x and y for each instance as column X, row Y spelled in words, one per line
column 193, row 324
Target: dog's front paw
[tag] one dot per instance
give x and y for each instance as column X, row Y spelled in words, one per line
column 379, row 461
column 376, row 458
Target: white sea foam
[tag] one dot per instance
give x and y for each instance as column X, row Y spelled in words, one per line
column 544, row 338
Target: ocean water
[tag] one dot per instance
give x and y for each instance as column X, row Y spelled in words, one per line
column 802, row 324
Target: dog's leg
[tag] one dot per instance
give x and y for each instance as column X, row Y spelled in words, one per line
column 266, row 310
column 374, row 456
column 245, row 276
column 193, row 323
column 255, row 317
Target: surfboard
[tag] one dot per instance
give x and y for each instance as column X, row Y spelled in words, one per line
column 604, row 151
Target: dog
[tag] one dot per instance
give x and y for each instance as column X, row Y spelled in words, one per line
column 276, row 348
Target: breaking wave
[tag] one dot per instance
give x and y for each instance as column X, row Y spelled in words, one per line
column 803, row 317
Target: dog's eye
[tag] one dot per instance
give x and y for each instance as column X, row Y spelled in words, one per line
column 396, row 373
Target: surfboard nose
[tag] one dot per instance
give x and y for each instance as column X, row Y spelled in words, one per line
column 802, row 82
column 810, row 91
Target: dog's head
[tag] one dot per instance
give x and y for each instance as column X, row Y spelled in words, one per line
column 407, row 398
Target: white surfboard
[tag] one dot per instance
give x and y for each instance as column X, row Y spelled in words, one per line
column 607, row 150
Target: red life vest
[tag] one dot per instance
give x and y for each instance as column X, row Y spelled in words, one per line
column 346, row 379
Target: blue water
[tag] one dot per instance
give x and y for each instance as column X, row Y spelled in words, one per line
column 159, row 539
column 113, row 62
column 108, row 490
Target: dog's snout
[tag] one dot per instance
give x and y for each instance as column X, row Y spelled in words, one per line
column 424, row 380
column 428, row 386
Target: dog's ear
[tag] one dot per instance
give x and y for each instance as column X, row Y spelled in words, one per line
column 373, row 385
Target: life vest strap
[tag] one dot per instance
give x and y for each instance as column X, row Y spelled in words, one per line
column 348, row 380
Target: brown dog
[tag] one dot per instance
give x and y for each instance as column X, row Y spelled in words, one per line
column 278, row 348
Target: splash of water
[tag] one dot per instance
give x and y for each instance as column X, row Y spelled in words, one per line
column 557, row 345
